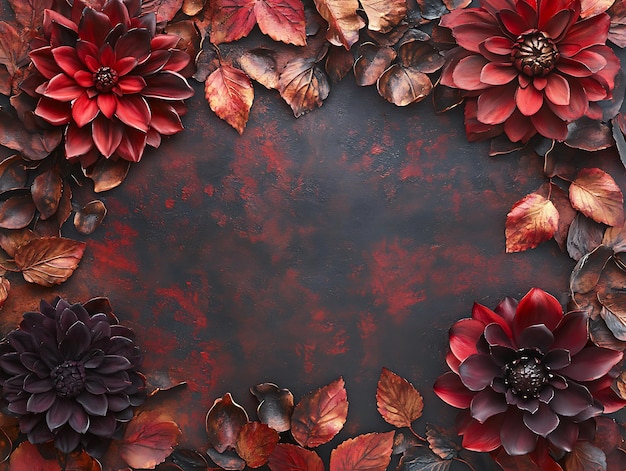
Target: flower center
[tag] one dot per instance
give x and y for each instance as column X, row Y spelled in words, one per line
column 534, row 54
column 525, row 376
column 69, row 378
column 105, row 79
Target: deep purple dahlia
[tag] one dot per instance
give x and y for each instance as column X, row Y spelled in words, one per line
column 70, row 375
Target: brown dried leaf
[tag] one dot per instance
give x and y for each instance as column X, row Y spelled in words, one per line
column 78, row 461
column 585, row 457
column 107, row 174
column 29, row 13
column 26, row 457
column 587, row 271
column 594, row 7
column 442, row 442
column 320, row 415
column 13, row 174
column 189, row 460
column 404, row 440
column 595, row 194
column 559, row 198
column 446, row 98
column 615, row 237
column 275, row 406
column 230, row 95
column 255, row 443
column 403, row 85
column 617, row 31
column 620, row 385
column 531, row 221
column 13, row 48
column 90, row 217
column 224, row 421
column 192, row 7
column 600, row 335
column 46, row 190
column 207, row 61
column 288, row 457
column 415, row 51
column 583, row 236
column 371, row 62
column 371, row 452
column 339, row 62
column 303, row 85
column 32, row 145
column 148, row 439
column 189, row 37
column 228, row 460
column 49, row 261
column 343, row 21
column 614, row 313
column 260, row 65
column 423, row 459
column 16, row 212
column 165, row 10
column 10, row 240
column 501, row 145
column 589, row 134
column 383, row 15
column 431, row 9
column 397, row 400
column 5, row 287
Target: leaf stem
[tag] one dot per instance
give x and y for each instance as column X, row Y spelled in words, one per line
column 417, row 435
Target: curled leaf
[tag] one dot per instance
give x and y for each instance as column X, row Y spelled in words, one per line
column 192, row 7
column 224, row 421
column 288, row 457
column 586, row 273
column 532, row 220
column 441, row 442
column 228, row 460
column 5, row 287
column 397, row 400
column 107, row 174
column 343, row 21
column 403, row 85
column 595, row 194
column 275, row 406
column 148, row 439
column 255, row 443
column 371, row 452
column 338, row 63
column 372, row 61
column 303, row 85
column 614, row 313
column 16, row 212
column 588, row 134
column 32, row 145
column 230, row 95
column 89, row 217
column 13, row 174
column 260, row 65
column 10, row 240
column 46, row 191
column 583, row 236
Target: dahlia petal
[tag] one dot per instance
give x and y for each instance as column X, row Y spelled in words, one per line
column 593, row 410
column 51, row 356
column 571, row 334
column 530, row 405
column 133, row 111
column 528, row 12
column 494, row 6
column 177, row 61
column 41, row 402
column 59, row 413
column 591, row 363
column 94, row 26
column 79, row 420
column 466, row 74
column 86, row 49
column 606, row 76
column 94, row 404
column 135, row 43
column 452, row 60
column 165, row 119
column 40, row 434
column 77, row 340
column 516, row 438
column 564, row 436
column 107, row 104
column 51, row 17
column 469, row 36
column 594, row 112
column 103, row 426
column 483, row 437
column 535, row 336
column 590, row 59
column 164, row 41
column 131, row 84
column 35, row 385
column 33, row 363
column 95, row 384
column 589, row 32
column 498, row 45
column 133, row 145
column 107, row 135
column 537, row 307
column 107, row 56
column 167, row 85
column 513, row 22
column 63, row 88
column 495, row 335
column 84, row 78
column 115, row 33
column 153, row 139
column 464, row 335
column 29, row 422
column 451, row 390
column 125, row 415
column 486, row 404
column 453, row 362
column 540, row 83
column 118, row 402
column 571, row 400
column 506, row 309
column 67, row 319
column 18, row 407
column 573, row 68
column 594, row 90
column 117, row 13
column 543, row 422
column 10, row 363
column 145, row 20
column 557, row 359
column 44, row 61
column 155, row 63
column 557, row 89
column 67, row 59
column 95, row 357
column 66, row 440
column 546, row 394
column 477, row 372
column 124, row 65
column 100, row 329
column 556, row 25
column 498, row 74
column 548, row 124
column 502, row 355
column 113, row 364
column 78, row 141
column 528, row 100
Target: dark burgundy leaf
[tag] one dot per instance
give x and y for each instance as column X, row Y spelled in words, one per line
column 288, row 457
column 391, row 38
column 148, row 439
column 275, row 406
column 13, row 175
column 224, row 421
column 255, row 443
column 339, row 62
column 107, row 174
column 403, row 85
column 585, row 457
column 260, row 65
column 78, row 461
column 207, row 61
column 616, row 460
column 608, row 436
column 369, row 452
column 303, row 85
column 26, row 457
column 29, row 13
column 371, row 62
column 586, row 273
column 46, row 191
column 168, row 467
column 16, row 212
column 442, row 442
column 229, row 460
column 90, row 217
column 33, row 146
column 588, row 134
column 421, row 458
column 584, row 235
column 397, row 400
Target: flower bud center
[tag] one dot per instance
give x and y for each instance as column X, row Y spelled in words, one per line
column 534, row 54
column 69, row 378
column 525, row 376
column 105, row 79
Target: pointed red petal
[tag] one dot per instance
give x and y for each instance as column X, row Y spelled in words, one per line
column 63, row 88
column 132, row 146
column 471, row 35
column 78, row 141
column 483, row 437
column 107, row 103
column 107, row 56
column 94, row 26
column 135, row 43
column 117, row 12
column 164, row 41
column 44, row 62
column 578, row 103
column 477, row 372
column 167, row 86
column 529, row 100
column 486, row 404
column 496, row 104
column 131, row 84
column 571, row 334
column 557, row 89
column 498, row 74
column 107, row 135
column 586, row 33
column 178, row 61
column 165, row 119
column 466, row 74
column 591, row 363
column 464, row 336
column 67, row 59
column 133, row 111
column 537, row 307
column 519, row 127
column 513, row 22
column 549, row 125
column 53, row 112
column 486, row 316
column 451, row 390
column 516, row 438
column 84, row 110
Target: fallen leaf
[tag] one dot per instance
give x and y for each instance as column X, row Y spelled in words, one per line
column 288, row 457
column 16, row 212
column 601, row 336
column 224, row 421
column 617, row 31
column 189, row 460
column 165, row 10
column 589, row 134
column 228, row 460
column 607, row 435
column 432, row 9
column 13, row 49
column 339, row 62
column 585, row 457
column 343, row 21
column 383, row 15
column 371, row 452
column 49, row 261
column 397, row 400
column 586, row 273
column 403, row 440
column 46, row 191
column 13, row 174
column 78, row 461
column 561, row 202
column 531, row 221
column 206, row 61
column 5, row 287
column 230, row 95
column 107, row 174
column 414, row 50
column 260, row 65
column 421, row 458
column 320, row 415
column 148, row 439
column 255, row 443
column 89, row 217
column 26, row 457
column 595, row 194
column 583, row 236
column 615, row 238
column 29, row 13
column 32, row 145
column 303, row 85
column 446, row 98
column 614, row 313
column 403, row 85
column 275, row 406
column 371, row 62
column 10, row 240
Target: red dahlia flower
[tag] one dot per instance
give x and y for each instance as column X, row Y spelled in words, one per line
column 108, row 78
column 534, row 65
column 526, row 372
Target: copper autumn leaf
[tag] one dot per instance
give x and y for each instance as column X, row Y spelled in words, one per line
column 397, row 400
column 320, row 415
column 16, row 212
column 107, row 174
column 79, row 461
column 230, row 95
column 5, row 287
column 29, row 13
column 13, row 48
column 192, row 7
column 32, row 145
column 441, row 442
column 403, row 85
column 26, row 457
column 255, row 443
column 49, row 261
column 303, row 85
column 587, row 272
column 369, row 452
column 343, row 21
column 165, row 10
column 148, row 439
column 595, row 194
column 531, row 221
column 260, row 65
column 13, row 174
column 46, row 191
column 224, row 421
column 281, row 20
column 561, row 202
column 89, row 217
column 383, row 15
column 371, row 62
column 288, row 457
column 275, row 406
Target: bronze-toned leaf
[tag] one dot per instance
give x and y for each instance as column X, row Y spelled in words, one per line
column 228, row 460
column 282, row 20
column 255, row 443
column 617, row 31
column 26, row 457
column 391, row 38
column 403, row 440
column 10, row 240
column 615, row 237
column 421, row 458
column 531, row 221
column 32, row 145
column 303, row 85
column 415, row 51
column 5, row 287
column 46, row 192
column 320, row 415
column 371, row 62
column 383, row 15
column 16, row 212
column 601, row 336
column 343, row 21
column 595, row 194
column 207, row 61
column 339, row 62
column 13, row 48
column 65, row 206
column 29, row 13
column 431, row 9
column 614, row 313
column 501, row 145
column 561, row 202
column 260, row 65
column 588, row 134
column 620, row 385
column 78, row 461
column 90, row 217
column 446, row 98
column 107, row 174
column 287, row 457
column 189, row 41
column 403, row 85
column 586, row 273
column 49, row 261
column 224, row 421
column 585, row 457
column 13, row 174
column 442, row 442
column 192, row 7
column 397, row 400
column 583, row 236
column 230, row 95
column 275, row 406
column 371, row 452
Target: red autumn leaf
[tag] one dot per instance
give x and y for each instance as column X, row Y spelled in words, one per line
column 288, row 457
column 343, row 21
column 338, row 63
column 148, row 439
column 230, row 95
column 303, row 85
column 26, row 457
column 532, row 220
column 595, row 194
column 224, row 421
column 371, row 452
column 585, row 457
column 49, row 261
column 383, row 15
column 165, row 10
column 397, row 400
column 29, row 13
column 255, row 443
column 281, row 20
column 320, row 415
column 10, row 240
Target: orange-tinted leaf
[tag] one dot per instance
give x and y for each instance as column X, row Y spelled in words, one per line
column 383, row 15
column 79, row 461
column 165, row 10
column 10, row 240
column 260, row 65
column 29, row 13
column 585, row 457
column 46, row 190
column 371, row 62
column 189, row 37
column 561, row 202
column 49, row 261
column 12, row 47
column 441, row 442
column 288, row 457
column 13, row 175
column 532, row 220
column 343, row 21
column 107, row 174
column 5, row 287
column 397, row 400
column 586, row 273
column 5, row 446
column 594, row 7
column 26, row 457
column 148, row 439
column 303, row 85
column 17, row 212
column 365, row 452
column 192, row 7
column 255, row 443
column 320, row 415
column 6, row 80
column 339, row 62
column 33, row 146
column 282, row 20
column 224, row 421
column 403, row 85
column 275, row 406
column 595, row 194
column 90, row 217
column 230, row 95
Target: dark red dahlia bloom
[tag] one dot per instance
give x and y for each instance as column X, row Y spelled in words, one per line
column 108, row 78
column 70, row 376
column 534, row 65
column 526, row 372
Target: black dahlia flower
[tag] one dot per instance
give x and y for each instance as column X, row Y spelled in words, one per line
column 70, row 375
column 526, row 372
